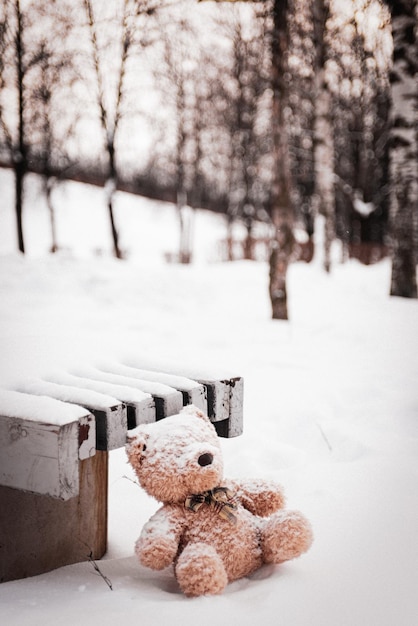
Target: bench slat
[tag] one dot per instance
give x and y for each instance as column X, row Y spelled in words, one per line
column 168, row 401
column 140, row 405
column 224, row 391
column 110, row 413
column 193, row 392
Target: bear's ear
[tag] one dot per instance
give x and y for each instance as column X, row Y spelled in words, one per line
column 191, row 409
column 136, row 445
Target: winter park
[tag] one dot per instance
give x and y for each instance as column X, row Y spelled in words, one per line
column 209, row 204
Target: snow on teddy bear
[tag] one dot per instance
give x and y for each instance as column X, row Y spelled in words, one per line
column 213, row 530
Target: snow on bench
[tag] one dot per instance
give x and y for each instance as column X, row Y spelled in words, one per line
column 140, row 406
column 192, row 391
column 55, row 438
column 42, row 441
column 110, row 413
column 224, row 391
column 168, row 401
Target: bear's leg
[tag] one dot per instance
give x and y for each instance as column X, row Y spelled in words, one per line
column 200, row 570
column 285, row 535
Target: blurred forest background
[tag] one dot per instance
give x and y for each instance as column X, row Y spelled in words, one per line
column 273, row 112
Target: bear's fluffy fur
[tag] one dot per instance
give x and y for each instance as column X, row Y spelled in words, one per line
column 178, row 461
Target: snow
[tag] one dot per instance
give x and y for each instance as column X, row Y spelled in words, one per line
column 68, row 393
column 39, row 409
column 121, row 392
column 331, row 408
column 157, row 389
column 172, row 380
column 363, row 208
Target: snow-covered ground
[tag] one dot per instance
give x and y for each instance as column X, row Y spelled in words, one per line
column 331, row 410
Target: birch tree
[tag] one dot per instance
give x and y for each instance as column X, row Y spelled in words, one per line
column 324, row 131
column 404, row 148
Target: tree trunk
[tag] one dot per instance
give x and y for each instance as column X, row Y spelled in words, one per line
column 111, row 186
column 20, row 172
column 185, row 214
column 324, row 165
column 279, row 260
column 20, row 162
column 282, row 213
column 324, row 133
column 48, row 194
column 403, row 280
column 404, row 149
column 115, row 236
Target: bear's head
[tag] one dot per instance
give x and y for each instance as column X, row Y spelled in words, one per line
column 177, row 456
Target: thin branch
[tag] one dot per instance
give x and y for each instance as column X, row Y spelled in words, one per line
column 135, row 482
column 96, row 567
column 325, row 438
column 97, row 65
column 126, row 44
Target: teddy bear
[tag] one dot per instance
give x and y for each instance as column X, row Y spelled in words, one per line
column 213, row 530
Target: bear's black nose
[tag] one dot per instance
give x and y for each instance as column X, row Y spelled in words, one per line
column 205, row 459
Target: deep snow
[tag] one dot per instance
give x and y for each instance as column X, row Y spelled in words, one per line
column 331, row 410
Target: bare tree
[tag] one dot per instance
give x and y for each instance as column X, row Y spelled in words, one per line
column 111, row 95
column 281, row 206
column 175, row 61
column 247, row 121
column 357, row 77
column 16, row 60
column 51, row 119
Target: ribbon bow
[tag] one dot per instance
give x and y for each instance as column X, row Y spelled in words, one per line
column 220, row 499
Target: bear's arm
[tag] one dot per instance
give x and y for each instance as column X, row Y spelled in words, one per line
column 260, row 497
column 158, row 542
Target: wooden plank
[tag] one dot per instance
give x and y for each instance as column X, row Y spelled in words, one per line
column 192, row 391
column 37, row 457
column 140, row 405
column 168, row 401
column 110, row 413
column 92, row 506
column 39, row 533
column 41, row 441
column 218, row 399
column 50, row 411
column 86, row 437
column 236, row 406
column 224, row 391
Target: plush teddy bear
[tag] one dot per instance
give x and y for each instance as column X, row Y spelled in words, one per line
column 213, row 530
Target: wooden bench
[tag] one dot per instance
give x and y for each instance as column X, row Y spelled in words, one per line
column 55, row 438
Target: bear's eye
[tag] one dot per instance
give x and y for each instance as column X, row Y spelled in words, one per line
column 143, row 447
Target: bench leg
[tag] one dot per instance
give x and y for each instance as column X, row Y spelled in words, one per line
column 39, row 533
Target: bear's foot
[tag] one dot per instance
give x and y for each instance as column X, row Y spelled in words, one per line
column 286, row 535
column 200, row 570
column 156, row 553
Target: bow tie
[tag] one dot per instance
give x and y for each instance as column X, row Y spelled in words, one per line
column 220, row 499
